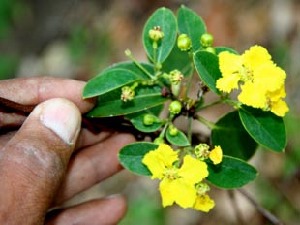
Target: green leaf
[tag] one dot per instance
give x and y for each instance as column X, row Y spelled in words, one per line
column 138, row 123
column 179, row 140
column 191, row 24
column 231, row 135
column 231, row 173
column 110, row 104
column 165, row 19
column 108, row 81
column 183, row 62
column 207, row 67
column 266, row 128
column 131, row 156
column 129, row 65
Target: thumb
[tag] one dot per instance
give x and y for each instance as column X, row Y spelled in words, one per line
column 33, row 162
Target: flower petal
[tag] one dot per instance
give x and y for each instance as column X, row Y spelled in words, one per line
column 158, row 160
column 204, row 203
column 256, row 56
column 192, row 170
column 216, row 155
column 177, row 191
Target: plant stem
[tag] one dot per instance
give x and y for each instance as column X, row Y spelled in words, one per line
column 211, row 104
column 189, row 129
column 264, row 212
column 207, row 123
column 129, row 54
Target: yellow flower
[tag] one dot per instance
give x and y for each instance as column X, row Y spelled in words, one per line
column 216, row 155
column 177, row 183
column 259, row 78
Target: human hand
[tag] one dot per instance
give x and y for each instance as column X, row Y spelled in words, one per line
column 50, row 158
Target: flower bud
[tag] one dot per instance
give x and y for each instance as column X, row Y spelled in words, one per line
column 148, row 119
column 206, row 40
column 211, row 50
column 159, row 140
column 156, row 34
column 184, row 42
column 175, row 107
column 176, row 76
column 173, row 131
column 202, row 151
column 128, row 93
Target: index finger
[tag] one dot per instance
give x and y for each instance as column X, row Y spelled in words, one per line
column 32, row 91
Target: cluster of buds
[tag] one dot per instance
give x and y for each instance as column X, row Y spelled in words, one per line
column 128, row 94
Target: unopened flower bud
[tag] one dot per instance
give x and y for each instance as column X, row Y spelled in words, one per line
column 202, row 151
column 211, row 50
column 176, row 76
column 202, row 188
column 175, row 107
column 173, row 131
column 128, row 93
column 184, row 42
column 206, row 40
column 156, row 34
column 148, row 119
column 158, row 141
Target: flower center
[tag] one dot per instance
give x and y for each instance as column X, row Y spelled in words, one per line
column 171, row 173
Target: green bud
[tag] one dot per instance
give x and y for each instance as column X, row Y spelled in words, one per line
column 158, row 141
column 202, row 151
column 211, row 50
column 156, row 34
column 176, row 76
column 184, row 42
column 206, row 40
column 175, row 107
column 149, row 119
column 173, row 131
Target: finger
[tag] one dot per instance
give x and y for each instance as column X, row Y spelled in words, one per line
column 33, row 162
column 105, row 211
column 91, row 165
column 88, row 138
column 32, row 91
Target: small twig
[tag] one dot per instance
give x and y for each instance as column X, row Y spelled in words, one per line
column 264, row 212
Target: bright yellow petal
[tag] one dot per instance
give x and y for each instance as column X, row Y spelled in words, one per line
column 216, row 155
column 204, row 203
column 177, row 191
column 255, row 57
column 269, row 76
column 158, row 160
column 229, row 63
column 228, row 83
column 192, row 170
column 168, row 192
column 277, row 95
column 280, row 108
column 252, row 95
